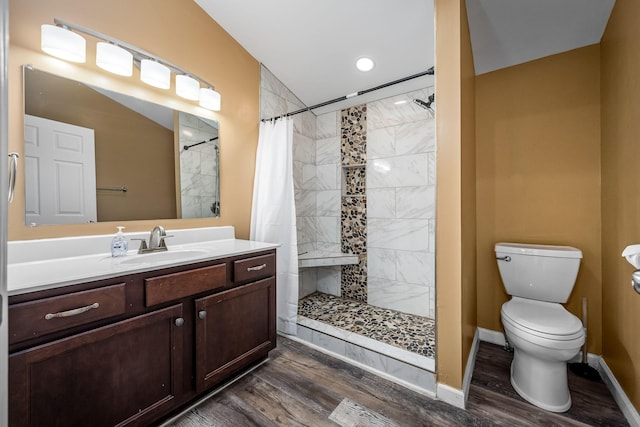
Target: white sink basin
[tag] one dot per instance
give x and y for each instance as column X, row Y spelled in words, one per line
column 169, row 255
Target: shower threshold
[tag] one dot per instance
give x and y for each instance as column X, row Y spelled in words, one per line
column 389, row 336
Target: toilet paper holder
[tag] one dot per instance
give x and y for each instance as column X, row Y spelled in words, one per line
column 632, row 255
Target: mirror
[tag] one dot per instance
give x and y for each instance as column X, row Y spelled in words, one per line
column 96, row 155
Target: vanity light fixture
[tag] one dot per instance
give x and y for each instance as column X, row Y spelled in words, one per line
column 209, row 99
column 114, row 59
column 187, row 87
column 155, row 74
column 63, row 41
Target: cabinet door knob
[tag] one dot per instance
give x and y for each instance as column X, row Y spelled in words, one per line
column 179, row 321
column 202, row 314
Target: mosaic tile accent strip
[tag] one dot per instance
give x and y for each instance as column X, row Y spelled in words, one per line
column 354, row 135
column 354, row 205
column 413, row 333
column 355, row 180
column 353, row 283
column 354, row 225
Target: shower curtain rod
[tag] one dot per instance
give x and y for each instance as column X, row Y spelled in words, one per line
column 430, row 71
column 186, row 147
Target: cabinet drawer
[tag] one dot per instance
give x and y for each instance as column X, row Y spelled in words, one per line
column 35, row 318
column 254, row 268
column 174, row 286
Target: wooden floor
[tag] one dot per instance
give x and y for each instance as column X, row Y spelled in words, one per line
column 491, row 397
column 302, row 387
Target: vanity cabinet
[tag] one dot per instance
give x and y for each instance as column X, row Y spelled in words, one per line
column 121, row 374
column 156, row 341
column 233, row 329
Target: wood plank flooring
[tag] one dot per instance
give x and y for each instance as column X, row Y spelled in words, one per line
column 303, row 387
column 491, row 395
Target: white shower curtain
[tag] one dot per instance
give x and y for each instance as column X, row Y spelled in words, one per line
column 273, row 214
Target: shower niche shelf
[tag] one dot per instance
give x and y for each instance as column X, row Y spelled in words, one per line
column 325, row 259
column 353, row 180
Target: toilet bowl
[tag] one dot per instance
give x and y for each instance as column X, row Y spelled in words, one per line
column 543, row 334
column 544, row 337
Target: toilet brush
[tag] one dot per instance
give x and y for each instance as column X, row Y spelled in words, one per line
column 582, row 368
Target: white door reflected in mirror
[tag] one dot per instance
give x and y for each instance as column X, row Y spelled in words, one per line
column 60, row 175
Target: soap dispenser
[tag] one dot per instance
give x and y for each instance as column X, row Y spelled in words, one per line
column 119, row 244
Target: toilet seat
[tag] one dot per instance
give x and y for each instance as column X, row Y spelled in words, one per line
column 545, row 320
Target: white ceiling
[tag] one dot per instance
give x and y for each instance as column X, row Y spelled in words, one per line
column 312, row 46
column 510, row 32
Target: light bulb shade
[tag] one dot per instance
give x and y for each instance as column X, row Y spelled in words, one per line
column 114, row 59
column 209, row 99
column 155, row 74
column 187, row 87
column 63, row 43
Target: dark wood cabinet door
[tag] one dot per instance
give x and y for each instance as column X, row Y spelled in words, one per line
column 127, row 373
column 234, row 328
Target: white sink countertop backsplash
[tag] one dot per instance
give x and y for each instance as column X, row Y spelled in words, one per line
column 35, row 265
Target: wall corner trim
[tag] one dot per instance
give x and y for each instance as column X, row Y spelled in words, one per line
column 450, row 395
column 471, row 362
column 627, row 408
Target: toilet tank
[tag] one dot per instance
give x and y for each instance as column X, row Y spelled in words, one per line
column 540, row 272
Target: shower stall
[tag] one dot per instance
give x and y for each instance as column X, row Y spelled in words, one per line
column 364, row 181
column 199, row 148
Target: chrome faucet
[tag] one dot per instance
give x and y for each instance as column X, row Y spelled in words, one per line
column 156, row 241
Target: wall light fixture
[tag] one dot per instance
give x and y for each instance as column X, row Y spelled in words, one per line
column 114, row 59
column 187, row 87
column 209, row 99
column 63, row 41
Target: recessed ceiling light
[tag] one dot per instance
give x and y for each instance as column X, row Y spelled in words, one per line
column 402, row 101
column 365, row 64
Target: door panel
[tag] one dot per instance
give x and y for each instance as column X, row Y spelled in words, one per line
column 60, row 176
column 233, row 329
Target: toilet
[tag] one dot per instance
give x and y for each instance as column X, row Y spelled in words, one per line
column 543, row 334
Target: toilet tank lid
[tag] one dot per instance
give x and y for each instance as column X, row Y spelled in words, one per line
column 538, row 250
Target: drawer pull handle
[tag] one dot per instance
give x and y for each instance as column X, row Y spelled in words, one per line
column 73, row 312
column 257, row 267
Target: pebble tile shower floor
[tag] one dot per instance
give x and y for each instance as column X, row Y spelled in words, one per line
column 409, row 332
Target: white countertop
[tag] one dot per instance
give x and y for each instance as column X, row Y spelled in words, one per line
column 34, row 266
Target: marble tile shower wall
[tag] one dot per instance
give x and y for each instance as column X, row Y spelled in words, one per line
column 400, row 175
column 329, row 182
column 198, row 168
column 276, row 99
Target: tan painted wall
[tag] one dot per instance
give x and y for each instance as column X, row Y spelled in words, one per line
column 455, row 192
column 468, row 191
column 620, row 51
column 177, row 31
column 538, row 172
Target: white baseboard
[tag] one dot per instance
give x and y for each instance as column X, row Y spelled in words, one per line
column 493, row 337
column 450, row 395
column 471, row 362
column 627, row 408
column 453, row 396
